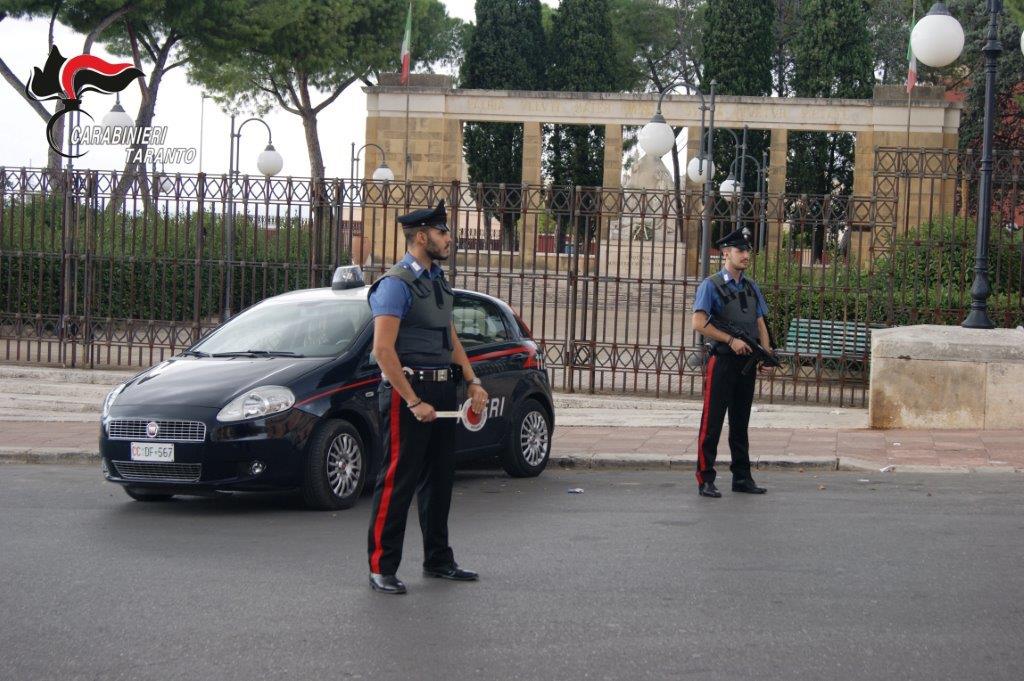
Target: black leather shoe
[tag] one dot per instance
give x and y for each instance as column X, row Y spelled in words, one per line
column 386, row 584
column 708, row 489
column 747, row 486
column 454, row 573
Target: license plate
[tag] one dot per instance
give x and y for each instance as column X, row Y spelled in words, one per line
column 151, row 451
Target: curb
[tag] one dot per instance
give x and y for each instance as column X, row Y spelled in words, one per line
column 684, row 462
column 603, row 461
column 48, row 455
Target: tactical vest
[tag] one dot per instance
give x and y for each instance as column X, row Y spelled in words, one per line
column 739, row 308
column 424, row 336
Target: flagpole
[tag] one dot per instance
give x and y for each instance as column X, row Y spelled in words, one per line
column 909, row 96
column 911, row 65
column 407, row 157
column 406, row 68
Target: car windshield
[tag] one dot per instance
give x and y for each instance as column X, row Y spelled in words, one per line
column 317, row 328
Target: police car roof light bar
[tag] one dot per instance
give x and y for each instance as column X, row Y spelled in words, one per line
column 346, row 277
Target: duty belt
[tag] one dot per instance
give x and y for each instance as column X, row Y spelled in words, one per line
column 432, row 375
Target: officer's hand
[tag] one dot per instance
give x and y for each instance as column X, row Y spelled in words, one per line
column 424, row 412
column 479, row 398
column 739, row 347
column 765, row 370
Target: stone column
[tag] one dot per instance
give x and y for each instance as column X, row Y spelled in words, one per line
column 611, row 178
column 612, row 175
column 692, row 224
column 778, row 155
column 532, row 142
column 435, row 151
column 915, row 199
column 864, row 186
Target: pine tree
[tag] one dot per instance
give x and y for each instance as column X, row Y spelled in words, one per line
column 1008, row 129
column 506, row 52
column 746, row 71
column 583, row 59
column 832, row 59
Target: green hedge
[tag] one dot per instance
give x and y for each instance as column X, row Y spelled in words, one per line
column 145, row 267
column 924, row 279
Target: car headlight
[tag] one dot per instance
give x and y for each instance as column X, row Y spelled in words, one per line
column 258, row 402
column 108, row 401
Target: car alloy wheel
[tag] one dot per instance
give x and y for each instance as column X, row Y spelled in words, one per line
column 344, row 465
column 336, row 466
column 533, row 438
column 528, row 442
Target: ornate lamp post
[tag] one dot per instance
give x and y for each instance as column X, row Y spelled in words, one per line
column 937, row 40
column 656, row 138
column 383, row 173
column 269, row 162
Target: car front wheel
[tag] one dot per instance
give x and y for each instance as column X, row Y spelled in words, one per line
column 335, row 468
column 529, row 445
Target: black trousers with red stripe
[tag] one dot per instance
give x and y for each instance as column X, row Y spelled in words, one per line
column 417, row 458
column 726, row 389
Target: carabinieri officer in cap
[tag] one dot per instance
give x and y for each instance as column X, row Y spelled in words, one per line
column 734, row 297
column 421, row 359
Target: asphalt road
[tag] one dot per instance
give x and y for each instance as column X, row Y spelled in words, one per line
column 903, row 577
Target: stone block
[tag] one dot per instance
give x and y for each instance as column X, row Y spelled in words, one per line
column 937, row 377
column 1004, row 395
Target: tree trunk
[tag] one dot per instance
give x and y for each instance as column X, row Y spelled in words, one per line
column 316, row 159
column 134, row 170
column 54, row 161
column 319, row 207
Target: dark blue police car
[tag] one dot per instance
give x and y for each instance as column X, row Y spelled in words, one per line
column 284, row 395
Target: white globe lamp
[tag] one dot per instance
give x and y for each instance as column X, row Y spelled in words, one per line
column 117, row 117
column 699, row 169
column 656, row 138
column 730, row 188
column 938, row 38
column 383, row 173
column 269, row 162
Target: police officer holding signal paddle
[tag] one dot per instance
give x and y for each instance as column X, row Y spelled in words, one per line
column 420, row 356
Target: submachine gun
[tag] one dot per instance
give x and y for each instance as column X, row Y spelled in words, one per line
column 759, row 352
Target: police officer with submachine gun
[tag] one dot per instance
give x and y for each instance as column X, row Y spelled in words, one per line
column 729, row 311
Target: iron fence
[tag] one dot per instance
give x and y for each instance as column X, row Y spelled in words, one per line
column 604, row 277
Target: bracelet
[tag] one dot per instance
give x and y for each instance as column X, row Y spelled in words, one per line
column 475, row 381
column 415, row 404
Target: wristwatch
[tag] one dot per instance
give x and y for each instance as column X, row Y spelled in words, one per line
column 476, row 381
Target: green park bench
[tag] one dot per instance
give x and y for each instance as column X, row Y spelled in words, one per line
column 827, row 343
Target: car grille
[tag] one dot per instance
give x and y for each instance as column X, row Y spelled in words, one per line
column 170, row 431
column 177, row 472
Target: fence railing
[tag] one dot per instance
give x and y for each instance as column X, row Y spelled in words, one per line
column 604, row 277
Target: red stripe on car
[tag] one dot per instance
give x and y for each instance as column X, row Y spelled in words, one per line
column 347, row 386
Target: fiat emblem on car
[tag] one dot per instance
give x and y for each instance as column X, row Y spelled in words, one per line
column 152, row 429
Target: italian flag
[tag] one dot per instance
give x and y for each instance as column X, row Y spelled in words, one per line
column 911, row 66
column 406, row 42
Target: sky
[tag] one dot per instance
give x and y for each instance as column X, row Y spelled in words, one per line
column 23, row 45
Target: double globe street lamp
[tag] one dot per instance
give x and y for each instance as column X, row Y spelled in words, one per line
column 657, row 137
column 731, row 188
column 937, row 41
column 269, row 163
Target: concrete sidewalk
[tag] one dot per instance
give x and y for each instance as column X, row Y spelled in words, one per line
column 659, row 448
column 51, row 415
